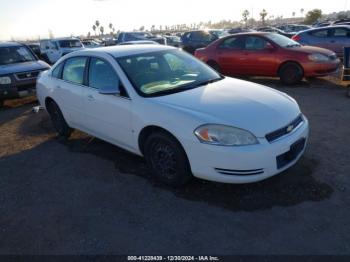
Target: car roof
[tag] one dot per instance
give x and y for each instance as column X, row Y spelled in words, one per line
column 325, row 27
column 8, row 44
column 61, row 38
column 250, row 33
column 126, row 50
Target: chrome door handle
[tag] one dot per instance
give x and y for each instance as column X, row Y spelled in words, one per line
column 90, row 97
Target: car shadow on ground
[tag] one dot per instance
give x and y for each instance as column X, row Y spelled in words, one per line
column 332, row 81
column 292, row 187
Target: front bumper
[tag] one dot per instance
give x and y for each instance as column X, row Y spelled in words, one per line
column 17, row 90
column 321, row 69
column 253, row 163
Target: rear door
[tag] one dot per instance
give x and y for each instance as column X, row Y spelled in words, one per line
column 340, row 38
column 68, row 89
column 230, row 55
column 53, row 52
column 107, row 116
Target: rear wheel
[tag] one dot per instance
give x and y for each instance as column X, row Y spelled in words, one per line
column 167, row 159
column 58, row 120
column 291, row 73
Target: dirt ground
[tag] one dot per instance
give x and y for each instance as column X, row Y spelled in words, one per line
column 85, row 196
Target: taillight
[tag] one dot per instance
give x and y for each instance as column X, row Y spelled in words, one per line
column 296, row 38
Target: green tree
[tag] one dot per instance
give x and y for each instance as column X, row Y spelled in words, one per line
column 245, row 16
column 263, row 15
column 312, row 16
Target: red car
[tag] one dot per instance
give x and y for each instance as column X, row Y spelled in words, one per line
column 268, row 54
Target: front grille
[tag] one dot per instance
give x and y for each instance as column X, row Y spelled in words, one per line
column 27, row 75
column 284, row 130
column 292, row 154
column 25, row 87
column 240, row 172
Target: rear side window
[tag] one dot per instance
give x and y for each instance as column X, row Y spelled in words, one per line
column 341, row 32
column 57, row 72
column 73, row 70
column 101, row 74
column 319, row 33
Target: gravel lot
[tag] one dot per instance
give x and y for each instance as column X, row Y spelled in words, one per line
column 85, row 196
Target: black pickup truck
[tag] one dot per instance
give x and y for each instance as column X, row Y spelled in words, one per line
column 19, row 69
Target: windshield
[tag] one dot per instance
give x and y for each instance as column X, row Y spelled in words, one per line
column 15, row 54
column 166, row 72
column 282, row 41
column 69, row 43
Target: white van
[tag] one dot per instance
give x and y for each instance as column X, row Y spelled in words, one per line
column 53, row 49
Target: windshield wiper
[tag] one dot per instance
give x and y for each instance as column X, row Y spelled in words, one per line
column 204, row 83
column 184, row 87
column 293, row 45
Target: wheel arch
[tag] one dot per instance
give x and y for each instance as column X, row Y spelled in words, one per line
column 150, row 129
column 287, row 62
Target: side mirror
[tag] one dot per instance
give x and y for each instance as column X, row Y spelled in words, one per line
column 112, row 90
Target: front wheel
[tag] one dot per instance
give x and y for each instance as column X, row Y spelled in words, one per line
column 291, row 73
column 58, row 120
column 167, row 159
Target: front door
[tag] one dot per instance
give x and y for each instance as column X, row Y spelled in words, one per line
column 106, row 116
column 260, row 57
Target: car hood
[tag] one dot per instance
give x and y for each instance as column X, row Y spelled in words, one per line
column 311, row 50
column 23, row 67
column 238, row 103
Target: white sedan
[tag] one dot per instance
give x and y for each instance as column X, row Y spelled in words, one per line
column 182, row 116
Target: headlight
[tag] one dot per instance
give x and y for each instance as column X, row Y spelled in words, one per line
column 318, row 58
column 224, row 135
column 5, row 80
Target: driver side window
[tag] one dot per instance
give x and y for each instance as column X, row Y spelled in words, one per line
column 101, row 74
column 233, row 43
column 255, row 43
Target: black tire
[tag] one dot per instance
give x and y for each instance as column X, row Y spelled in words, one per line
column 167, row 159
column 58, row 121
column 291, row 73
column 215, row 66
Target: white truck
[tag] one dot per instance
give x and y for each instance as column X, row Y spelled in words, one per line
column 53, row 49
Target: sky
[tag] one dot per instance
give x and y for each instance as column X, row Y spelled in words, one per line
column 34, row 18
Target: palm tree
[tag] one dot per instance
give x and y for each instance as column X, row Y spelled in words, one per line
column 245, row 16
column 102, row 30
column 293, row 14
column 94, row 28
column 263, row 15
column 302, row 11
column 97, row 24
